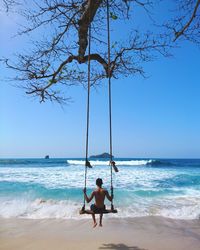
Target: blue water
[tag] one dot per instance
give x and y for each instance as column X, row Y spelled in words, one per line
column 52, row 188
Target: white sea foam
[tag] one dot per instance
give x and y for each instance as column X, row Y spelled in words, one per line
column 69, row 177
column 177, row 208
column 39, row 209
column 106, row 163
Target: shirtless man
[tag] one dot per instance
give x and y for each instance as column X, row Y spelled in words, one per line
column 99, row 194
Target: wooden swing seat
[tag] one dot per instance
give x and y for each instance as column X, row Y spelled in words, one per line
column 106, row 211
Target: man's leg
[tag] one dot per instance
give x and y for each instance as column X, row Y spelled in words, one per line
column 100, row 220
column 94, row 220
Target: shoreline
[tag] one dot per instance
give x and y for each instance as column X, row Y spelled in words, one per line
column 141, row 233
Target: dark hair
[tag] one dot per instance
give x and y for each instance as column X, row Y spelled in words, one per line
column 99, row 182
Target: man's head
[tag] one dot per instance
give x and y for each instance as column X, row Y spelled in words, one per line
column 99, row 182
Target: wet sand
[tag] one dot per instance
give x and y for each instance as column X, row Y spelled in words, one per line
column 146, row 233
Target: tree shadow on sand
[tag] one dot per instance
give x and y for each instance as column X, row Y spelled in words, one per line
column 119, row 247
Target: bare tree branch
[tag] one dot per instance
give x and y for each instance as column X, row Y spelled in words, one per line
column 9, row 4
column 185, row 22
column 186, row 26
column 60, row 57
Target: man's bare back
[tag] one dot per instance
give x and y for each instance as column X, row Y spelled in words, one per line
column 100, row 194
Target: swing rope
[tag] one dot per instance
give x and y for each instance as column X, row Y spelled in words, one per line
column 110, row 101
column 111, row 163
column 87, row 163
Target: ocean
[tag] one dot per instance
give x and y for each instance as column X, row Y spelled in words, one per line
column 52, row 188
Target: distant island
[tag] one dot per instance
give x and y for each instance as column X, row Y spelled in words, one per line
column 104, row 156
column 46, row 157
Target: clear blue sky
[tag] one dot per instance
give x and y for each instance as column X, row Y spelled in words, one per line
column 154, row 117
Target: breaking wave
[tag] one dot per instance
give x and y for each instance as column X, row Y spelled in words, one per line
column 119, row 163
column 178, row 208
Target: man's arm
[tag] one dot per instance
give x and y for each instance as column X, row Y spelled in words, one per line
column 109, row 197
column 88, row 199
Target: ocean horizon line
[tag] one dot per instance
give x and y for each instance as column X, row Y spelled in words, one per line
column 115, row 157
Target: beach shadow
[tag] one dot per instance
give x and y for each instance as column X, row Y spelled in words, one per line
column 120, row 247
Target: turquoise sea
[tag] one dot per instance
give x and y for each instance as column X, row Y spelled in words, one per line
column 52, row 188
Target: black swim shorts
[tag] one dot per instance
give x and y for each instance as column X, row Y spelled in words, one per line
column 96, row 209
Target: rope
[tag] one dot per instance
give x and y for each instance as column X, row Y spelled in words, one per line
column 110, row 103
column 112, row 163
column 87, row 163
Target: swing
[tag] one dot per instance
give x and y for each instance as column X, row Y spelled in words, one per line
column 112, row 163
column 105, row 211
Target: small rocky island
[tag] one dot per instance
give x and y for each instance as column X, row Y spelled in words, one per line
column 46, row 157
column 102, row 156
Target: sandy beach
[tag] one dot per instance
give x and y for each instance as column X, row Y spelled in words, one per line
column 146, row 233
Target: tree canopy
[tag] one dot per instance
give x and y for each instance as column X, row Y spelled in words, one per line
column 59, row 55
